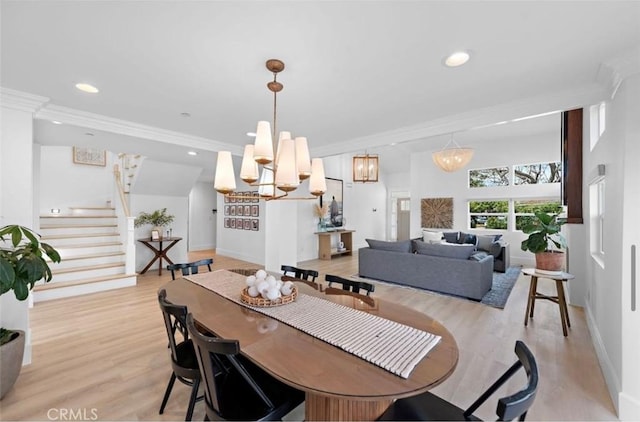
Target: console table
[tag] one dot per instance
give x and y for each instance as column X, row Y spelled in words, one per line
column 159, row 252
column 324, row 243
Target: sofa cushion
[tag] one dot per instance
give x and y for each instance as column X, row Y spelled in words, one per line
column 451, row 237
column 400, row 246
column 431, row 237
column 445, row 250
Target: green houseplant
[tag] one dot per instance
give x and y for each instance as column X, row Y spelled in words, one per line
column 158, row 219
column 544, row 231
column 22, row 264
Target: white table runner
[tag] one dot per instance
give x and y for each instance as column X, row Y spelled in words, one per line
column 396, row 347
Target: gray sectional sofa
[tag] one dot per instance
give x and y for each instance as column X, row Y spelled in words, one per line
column 445, row 268
column 489, row 244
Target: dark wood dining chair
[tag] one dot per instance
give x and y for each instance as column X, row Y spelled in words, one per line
column 350, row 285
column 184, row 365
column 189, row 267
column 309, row 275
column 429, row 407
column 234, row 387
column 300, row 275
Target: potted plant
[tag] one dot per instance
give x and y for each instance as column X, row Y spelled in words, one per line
column 544, row 231
column 158, row 219
column 22, row 264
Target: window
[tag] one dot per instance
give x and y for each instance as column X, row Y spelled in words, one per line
column 597, row 122
column 532, row 174
column 497, row 176
column 597, row 214
column 525, row 209
column 488, row 214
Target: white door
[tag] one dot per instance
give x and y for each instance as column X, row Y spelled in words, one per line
column 629, row 399
column 403, row 218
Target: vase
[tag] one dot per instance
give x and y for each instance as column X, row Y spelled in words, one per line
column 321, row 225
column 11, row 354
column 550, row 261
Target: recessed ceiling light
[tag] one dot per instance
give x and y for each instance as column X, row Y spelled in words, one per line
column 251, row 134
column 87, row 88
column 89, row 134
column 185, row 114
column 55, row 122
column 192, row 153
column 457, row 59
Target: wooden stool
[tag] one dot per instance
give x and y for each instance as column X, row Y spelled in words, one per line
column 559, row 299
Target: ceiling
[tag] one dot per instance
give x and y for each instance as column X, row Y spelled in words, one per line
column 354, row 69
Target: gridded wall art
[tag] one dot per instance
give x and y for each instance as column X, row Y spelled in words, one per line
column 436, row 213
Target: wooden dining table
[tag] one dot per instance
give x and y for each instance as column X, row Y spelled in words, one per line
column 338, row 385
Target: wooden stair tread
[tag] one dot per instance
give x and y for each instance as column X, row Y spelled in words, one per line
column 89, row 256
column 92, row 208
column 77, row 216
column 87, row 268
column 57, row 285
column 88, row 245
column 76, row 226
column 76, row 236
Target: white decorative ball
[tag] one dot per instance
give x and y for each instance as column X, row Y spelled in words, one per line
column 261, row 274
column 262, row 287
column 253, row 291
column 271, row 280
column 279, row 283
column 273, row 293
column 286, row 289
column 251, row 280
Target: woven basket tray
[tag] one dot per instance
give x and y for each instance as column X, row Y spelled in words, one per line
column 261, row 302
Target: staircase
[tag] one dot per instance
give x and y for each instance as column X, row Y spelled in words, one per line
column 92, row 252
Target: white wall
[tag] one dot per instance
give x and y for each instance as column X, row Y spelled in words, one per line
column 428, row 181
column 247, row 245
column 16, row 202
column 92, row 185
column 177, row 206
column 202, row 220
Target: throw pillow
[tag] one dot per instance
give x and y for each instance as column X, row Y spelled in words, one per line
column 451, row 237
column 431, row 237
column 443, row 250
column 497, row 236
column 400, row 246
column 469, row 238
column 484, row 242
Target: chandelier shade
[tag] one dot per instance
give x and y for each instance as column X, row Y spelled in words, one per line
column 365, row 168
column 452, row 157
column 285, row 170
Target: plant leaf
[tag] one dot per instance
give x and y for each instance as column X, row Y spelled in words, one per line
column 7, row 275
column 21, row 290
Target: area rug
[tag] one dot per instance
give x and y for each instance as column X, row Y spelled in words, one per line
column 496, row 297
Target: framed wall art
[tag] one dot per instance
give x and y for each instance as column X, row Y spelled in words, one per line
column 333, row 197
column 89, row 156
column 436, row 213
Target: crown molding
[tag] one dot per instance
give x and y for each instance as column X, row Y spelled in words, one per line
column 476, row 119
column 80, row 118
column 613, row 72
column 17, row 100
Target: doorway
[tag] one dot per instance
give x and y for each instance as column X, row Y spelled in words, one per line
column 399, row 215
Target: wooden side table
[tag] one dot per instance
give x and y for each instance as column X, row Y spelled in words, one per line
column 324, row 243
column 559, row 299
column 159, row 252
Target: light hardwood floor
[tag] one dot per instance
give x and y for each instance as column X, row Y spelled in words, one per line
column 105, row 354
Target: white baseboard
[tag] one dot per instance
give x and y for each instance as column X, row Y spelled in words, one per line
column 612, row 381
column 240, row 256
column 629, row 409
column 203, row 247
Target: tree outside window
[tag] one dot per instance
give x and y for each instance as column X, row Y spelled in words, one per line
column 532, row 174
column 524, row 210
column 489, row 214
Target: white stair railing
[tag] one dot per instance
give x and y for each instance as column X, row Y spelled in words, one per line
column 125, row 222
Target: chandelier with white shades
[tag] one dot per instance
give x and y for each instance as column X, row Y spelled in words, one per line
column 452, row 157
column 271, row 173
